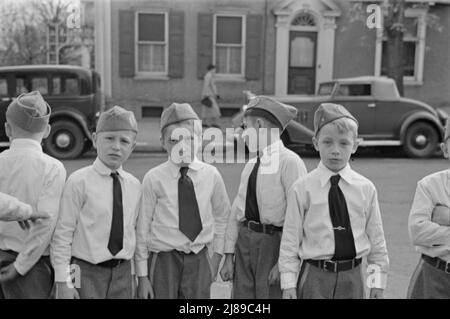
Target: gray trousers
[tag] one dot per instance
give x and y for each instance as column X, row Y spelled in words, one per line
column 428, row 282
column 36, row 284
column 99, row 282
column 176, row 275
column 255, row 256
column 315, row 283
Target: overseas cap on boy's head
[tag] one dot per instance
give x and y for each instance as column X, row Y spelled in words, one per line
column 30, row 112
column 117, row 119
column 177, row 112
column 329, row 112
column 271, row 109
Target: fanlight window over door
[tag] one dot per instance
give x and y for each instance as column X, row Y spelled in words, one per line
column 304, row 19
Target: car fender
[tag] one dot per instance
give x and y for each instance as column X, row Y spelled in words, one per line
column 298, row 133
column 79, row 118
column 420, row 116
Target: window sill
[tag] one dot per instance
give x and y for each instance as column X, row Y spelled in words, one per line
column 230, row 78
column 140, row 77
column 412, row 83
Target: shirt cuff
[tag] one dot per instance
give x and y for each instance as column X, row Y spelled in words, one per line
column 20, row 268
column 141, row 268
column 218, row 245
column 288, row 280
column 61, row 273
column 377, row 280
column 230, row 247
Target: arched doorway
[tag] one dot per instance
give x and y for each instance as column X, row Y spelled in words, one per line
column 302, row 54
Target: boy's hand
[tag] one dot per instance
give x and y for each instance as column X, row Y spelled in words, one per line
column 227, row 271
column 8, row 273
column 290, row 293
column 274, row 275
column 441, row 215
column 63, row 291
column 215, row 263
column 39, row 215
column 376, row 293
column 145, row 289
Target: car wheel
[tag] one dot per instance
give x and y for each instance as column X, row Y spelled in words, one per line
column 66, row 140
column 421, row 140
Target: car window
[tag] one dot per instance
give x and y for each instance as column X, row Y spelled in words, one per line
column 354, row 90
column 67, row 84
column 326, row 89
column 39, row 83
column 3, row 87
column 22, row 85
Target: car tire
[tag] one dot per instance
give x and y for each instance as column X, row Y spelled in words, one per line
column 66, row 140
column 421, row 140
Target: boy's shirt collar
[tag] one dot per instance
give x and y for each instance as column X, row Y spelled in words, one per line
column 270, row 149
column 102, row 169
column 175, row 169
column 325, row 173
column 26, row 143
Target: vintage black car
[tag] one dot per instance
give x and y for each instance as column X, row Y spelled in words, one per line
column 385, row 118
column 73, row 94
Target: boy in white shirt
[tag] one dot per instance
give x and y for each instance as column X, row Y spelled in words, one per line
column 37, row 180
column 332, row 220
column 99, row 207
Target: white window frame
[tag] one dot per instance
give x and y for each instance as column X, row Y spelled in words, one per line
column 137, row 42
column 243, row 45
column 417, row 79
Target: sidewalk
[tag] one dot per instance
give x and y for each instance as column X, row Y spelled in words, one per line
column 148, row 138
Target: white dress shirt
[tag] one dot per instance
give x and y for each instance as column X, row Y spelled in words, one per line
column 84, row 224
column 36, row 179
column 428, row 237
column 12, row 209
column 158, row 228
column 272, row 187
column 308, row 230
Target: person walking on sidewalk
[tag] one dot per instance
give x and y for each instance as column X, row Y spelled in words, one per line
column 210, row 109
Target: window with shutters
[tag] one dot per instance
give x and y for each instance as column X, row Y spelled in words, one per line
column 229, row 44
column 413, row 48
column 151, row 43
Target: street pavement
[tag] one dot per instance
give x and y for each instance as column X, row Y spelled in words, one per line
column 395, row 178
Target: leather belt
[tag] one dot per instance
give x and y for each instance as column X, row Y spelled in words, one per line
column 261, row 228
column 438, row 263
column 112, row 263
column 335, row 265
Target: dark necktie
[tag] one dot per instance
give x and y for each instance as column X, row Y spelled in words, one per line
column 190, row 222
column 251, row 202
column 344, row 242
column 115, row 243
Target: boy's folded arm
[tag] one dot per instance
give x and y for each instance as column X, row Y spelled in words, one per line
column 12, row 209
column 40, row 234
column 441, row 215
column 143, row 227
column 423, row 231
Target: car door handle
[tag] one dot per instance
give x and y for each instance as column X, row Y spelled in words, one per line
column 6, row 99
column 371, row 105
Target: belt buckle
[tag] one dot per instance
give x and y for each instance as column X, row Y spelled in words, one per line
column 328, row 262
column 249, row 222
